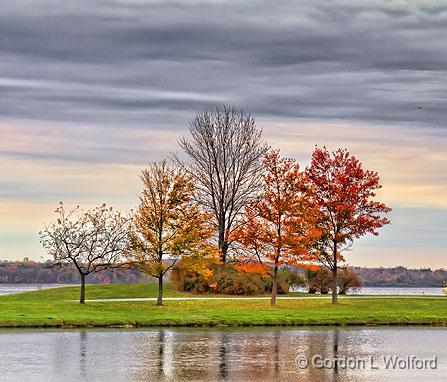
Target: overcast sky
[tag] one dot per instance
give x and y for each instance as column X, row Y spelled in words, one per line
column 92, row 91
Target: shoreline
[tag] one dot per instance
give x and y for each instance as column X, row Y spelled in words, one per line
column 440, row 325
column 262, row 298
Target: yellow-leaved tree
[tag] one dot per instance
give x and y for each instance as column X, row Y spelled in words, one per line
column 168, row 224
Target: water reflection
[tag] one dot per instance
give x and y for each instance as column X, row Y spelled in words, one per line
column 335, row 354
column 215, row 355
column 83, row 352
column 160, row 360
column 223, row 345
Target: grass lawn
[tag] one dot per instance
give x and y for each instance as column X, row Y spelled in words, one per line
column 50, row 307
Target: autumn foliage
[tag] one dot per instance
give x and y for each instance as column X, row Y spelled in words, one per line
column 344, row 192
column 252, row 267
column 168, row 225
column 279, row 227
column 232, row 196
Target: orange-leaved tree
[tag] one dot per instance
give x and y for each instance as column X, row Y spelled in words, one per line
column 344, row 192
column 168, row 224
column 279, row 227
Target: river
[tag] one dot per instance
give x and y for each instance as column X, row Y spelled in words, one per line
column 257, row 354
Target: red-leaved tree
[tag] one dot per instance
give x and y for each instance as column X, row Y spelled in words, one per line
column 279, row 227
column 344, row 192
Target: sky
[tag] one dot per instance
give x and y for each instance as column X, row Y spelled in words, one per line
column 93, row 91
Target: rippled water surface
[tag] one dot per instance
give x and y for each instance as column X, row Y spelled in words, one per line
column 221, row 355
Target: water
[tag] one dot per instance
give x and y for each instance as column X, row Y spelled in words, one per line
column 414, row 291
column 219, row 355
column 401, row 290
column 18, row 288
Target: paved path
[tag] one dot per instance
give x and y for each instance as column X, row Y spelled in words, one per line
column 252, row 298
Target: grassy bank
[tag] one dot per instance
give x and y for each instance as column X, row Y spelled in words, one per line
column 50, row 308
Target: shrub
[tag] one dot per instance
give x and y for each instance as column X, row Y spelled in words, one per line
column 226, row 279
column 320, row 280
column 192, row 274
column 348, row 280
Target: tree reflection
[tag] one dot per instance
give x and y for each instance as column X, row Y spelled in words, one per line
column 223, row 367
column 276, row 342
column 83, row 352
column 160, row 344
column 228, row 355
column 336, row 334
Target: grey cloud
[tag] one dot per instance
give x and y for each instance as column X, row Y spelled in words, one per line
column 115, row 82
column 108, row 62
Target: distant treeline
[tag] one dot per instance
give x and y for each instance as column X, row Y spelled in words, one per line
column 401, row 277
column 28, row 271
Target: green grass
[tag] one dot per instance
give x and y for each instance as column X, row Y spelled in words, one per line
column 131, row 290
column 50, row 308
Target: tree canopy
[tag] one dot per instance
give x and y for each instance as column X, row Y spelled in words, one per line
column 93, row 240
column 279, row 227
column 344, row 192
column 224, row 156
column 168, row 224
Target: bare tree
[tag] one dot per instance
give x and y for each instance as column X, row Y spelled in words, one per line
column 224, row 155
column 93, row 240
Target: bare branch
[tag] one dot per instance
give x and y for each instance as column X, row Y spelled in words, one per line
column 224, row 155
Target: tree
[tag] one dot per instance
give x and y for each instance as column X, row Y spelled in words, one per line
column 279, row 227
column 92, row 241
column 225, row 159
column 168, row 223
column 344, row 192
column 318, row 280
column 348, row 280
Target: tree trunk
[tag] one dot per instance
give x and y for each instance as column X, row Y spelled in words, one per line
column 334, row 277
column 336, row 351
column 160, row 290
column 223, row 245
column 274, row 286
column 223, row 252
column 82, row 299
